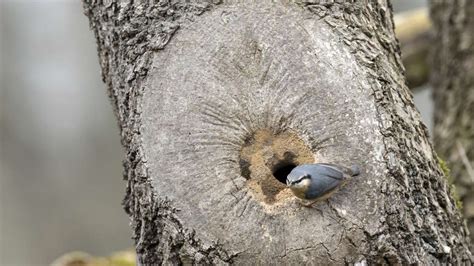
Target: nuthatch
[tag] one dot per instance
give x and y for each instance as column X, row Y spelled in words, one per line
column 318, row 181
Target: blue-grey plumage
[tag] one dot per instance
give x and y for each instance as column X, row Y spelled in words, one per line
column 317, row 181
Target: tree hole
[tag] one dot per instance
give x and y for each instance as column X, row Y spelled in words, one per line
column 282, row 170
column 266, row 159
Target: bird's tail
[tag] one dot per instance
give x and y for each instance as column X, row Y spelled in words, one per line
column 355, row 171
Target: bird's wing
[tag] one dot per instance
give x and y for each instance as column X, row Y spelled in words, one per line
column 353, row 171
column 325, row 183
column 331, row 170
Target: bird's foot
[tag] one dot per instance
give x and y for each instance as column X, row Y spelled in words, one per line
column 308, row 204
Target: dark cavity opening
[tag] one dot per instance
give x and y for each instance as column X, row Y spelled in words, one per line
column 282, row 170
column 245, row 168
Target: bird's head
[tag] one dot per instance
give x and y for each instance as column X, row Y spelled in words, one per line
column 298, row 180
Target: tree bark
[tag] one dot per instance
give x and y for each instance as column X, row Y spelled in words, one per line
column 453, row 84
column 216, row 100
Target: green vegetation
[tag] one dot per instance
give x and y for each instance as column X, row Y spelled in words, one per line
column 77, row 258
column 452, row 188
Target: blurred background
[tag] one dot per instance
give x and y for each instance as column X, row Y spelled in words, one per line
column 61, row 182
column 61, row 174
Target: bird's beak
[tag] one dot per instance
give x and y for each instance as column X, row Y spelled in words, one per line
column 287, row 183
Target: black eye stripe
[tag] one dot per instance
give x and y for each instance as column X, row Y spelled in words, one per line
column 301, row 179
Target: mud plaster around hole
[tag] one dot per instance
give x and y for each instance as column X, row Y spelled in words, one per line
column 266, row 158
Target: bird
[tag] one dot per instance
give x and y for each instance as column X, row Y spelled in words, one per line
column 316, row 182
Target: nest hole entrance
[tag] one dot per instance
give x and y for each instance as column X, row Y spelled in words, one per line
column 282, row 171
column 267, row 158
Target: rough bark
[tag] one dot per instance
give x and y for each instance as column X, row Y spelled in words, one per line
column 453, row 84
column 213, row 98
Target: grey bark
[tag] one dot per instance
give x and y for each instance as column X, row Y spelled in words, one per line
column 453, row 83
column 213, row 98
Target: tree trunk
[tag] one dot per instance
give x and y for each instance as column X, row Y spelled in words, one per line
column 217, row 100
column 453, row 83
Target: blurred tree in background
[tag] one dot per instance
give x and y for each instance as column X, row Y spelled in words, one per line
column 453, row 86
